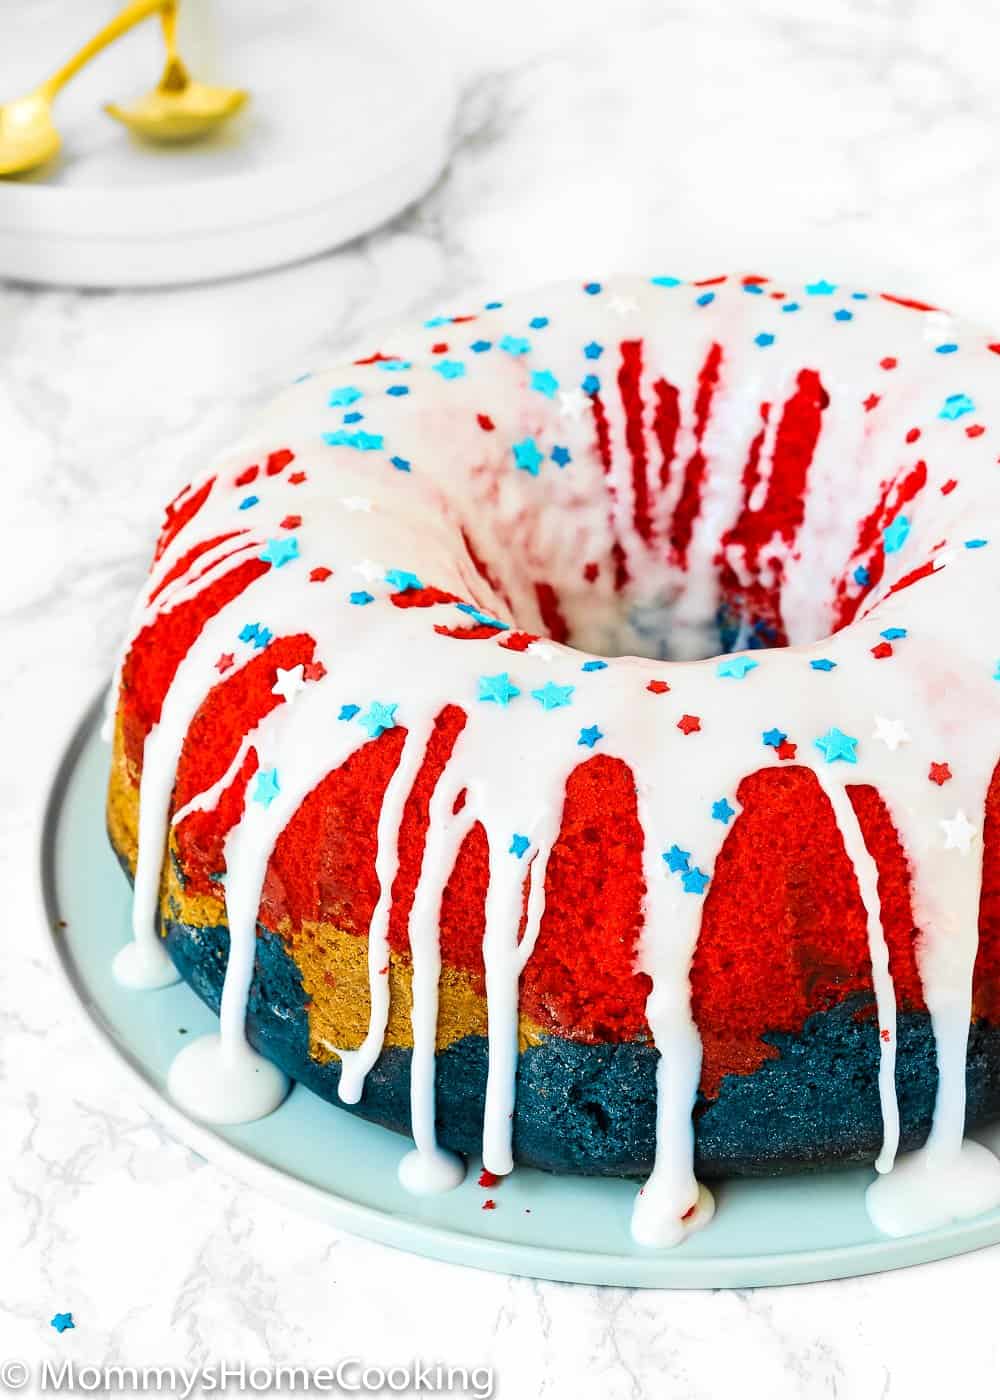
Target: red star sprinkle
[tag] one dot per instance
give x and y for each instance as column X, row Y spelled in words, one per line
column 374, row 359
column 487, row 1179
column 658, row 687
column 291, row 522
column 296, row 478
column 975, row 430
column 994, row 348
column 518, row 641
column 278, row 461
column 485, row 422
column 872, row 401
column 885, row 1035
column 590, row 572
column 939, row 773
column 319, row 575
column 883, row 650
column 313, row 671
column 948, row 487
column 786, row 749
column 439, row 349
column 890, row 362
column 489, row 1205
column 224, row 662
column 912, row 435
column 689, row 724
column 245, row 477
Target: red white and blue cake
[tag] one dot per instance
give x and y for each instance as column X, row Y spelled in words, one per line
column 569, row 734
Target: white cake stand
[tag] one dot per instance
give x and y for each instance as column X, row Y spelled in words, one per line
column 349, row 122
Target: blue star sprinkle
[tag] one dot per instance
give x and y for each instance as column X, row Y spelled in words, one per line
column 893, row 634
column 843, row 315
column 594, row 666
column 976, row 544
column 450, row 369
column 500, row 689
column 789, row 306
column 590, row 384
column 592, row 288
column 723, row 812
column 677, row 860
column 527, row 457
column 773, row 738
column 402, row 580
column 360, row 441
column 705, row 299
column 63, row 1322
column 561, row 456
column 835, row 744
column 859, row 296
column 479, row 347
column 823, row 663
column 736, row 667
column 589, row 736
column 553, row 697
column 343, row 398
column 398, row 390
column 665, row 281
column 593, row 351
column 493, row 306
column 400, row 463
column 544, row 382
column 514, row 344
column 253, row 632
column 538, row 323
column 947, row 349
column 248, row 501
column 378, row 718
column 482, row 618
column 361, row 597
column 764, row 339
column 519, row 844
column 280, row 552
column 895, row 535
column 267, row 788
column 354, row 417
column 996, row 673
column 822, row 288
column 861, row 576
column 753, row 288
column 390, row 366
column 695, row 881
column 956, row 406
column 348, row 711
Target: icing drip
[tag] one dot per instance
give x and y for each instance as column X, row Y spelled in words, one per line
column 701, row 427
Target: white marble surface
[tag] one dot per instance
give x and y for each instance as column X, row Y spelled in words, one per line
column 853, row 138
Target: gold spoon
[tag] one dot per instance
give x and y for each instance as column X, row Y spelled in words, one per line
column 179, row 108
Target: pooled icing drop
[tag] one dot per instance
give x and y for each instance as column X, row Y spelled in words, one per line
column 223, row 1082
column 428, row 1173
column 144, row 966
column 656, row 1223
column 926, row 1190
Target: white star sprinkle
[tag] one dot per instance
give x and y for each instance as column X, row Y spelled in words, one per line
column 891, row 732
column 289, row 683
column 958, row 832
column 572, row 403
column 369, row 570
column 623, row 306
column 542, row 650
column 356, row 503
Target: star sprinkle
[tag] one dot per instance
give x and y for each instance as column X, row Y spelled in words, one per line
column 543, row 650
column 764, row 339
column 572, row 404
column 248, row 501
column 594, row 666
column 518, row 845
column 402, row 464
column 356, row 503
column 589, row 736
column 479, row 347
column 956, row 406
column 313, row 671
column 823, row 663
column 895, row 535
column 402, row 581
column 861, row 576
column 289, row 683
column 225, row 663
column 940, row 773
column 623, row 306
column 368, row 569
column 665, row 281
column 677, row 860
column 958, row 832
column 835, row 744
column 514, row 345
column 527, row 457
column 483, row 619
column 63, row 1322
column 361, row 598
column 695, row 881
column 705, row 299
column 538, row 323
column 543, row 381
column 360, row 441
column 590, row 384
column 280, row 552
column 500, row 689
column 320, row 574
column 891, row 732
column 658, row 687
column 267, row 788
column 976, row 544
column 560, row 455
column 450, row 369
column 378, row 718
column 553, row 697
column 341, row 398
column 843, row 315
column 593, row 351
column 253, row 632
column 893, row 634
column 736, row 667
column 689, row 724
column 348, row 711
column 722, row 811
column 773, row 738
column 822, row 288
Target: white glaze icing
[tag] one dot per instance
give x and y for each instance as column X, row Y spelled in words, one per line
column 512, row 761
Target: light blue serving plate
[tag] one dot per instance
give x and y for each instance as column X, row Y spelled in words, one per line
column 308, row 1153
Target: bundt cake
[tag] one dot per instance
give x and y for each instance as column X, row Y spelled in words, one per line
column 570, row 733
